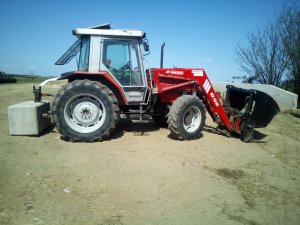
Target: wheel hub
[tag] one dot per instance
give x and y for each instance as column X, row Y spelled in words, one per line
column 85, row 114
column 192, row 119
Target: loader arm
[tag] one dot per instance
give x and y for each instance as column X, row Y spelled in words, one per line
column 171, row 83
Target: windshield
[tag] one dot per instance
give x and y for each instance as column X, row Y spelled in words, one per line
column 121, row 58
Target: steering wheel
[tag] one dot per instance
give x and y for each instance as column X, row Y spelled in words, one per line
column 126, row 66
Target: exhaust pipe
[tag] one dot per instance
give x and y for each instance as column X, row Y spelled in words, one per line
column 162, row 55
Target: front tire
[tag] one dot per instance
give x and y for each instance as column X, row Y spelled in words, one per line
column 85, row 110
column 186, row 117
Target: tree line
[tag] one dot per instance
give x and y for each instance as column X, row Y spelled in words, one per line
column 272, row 55
column 5, row 78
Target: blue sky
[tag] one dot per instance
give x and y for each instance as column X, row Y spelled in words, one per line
column 198, row 34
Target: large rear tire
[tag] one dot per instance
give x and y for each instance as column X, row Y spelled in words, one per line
column 85, row 110
column 186, row 117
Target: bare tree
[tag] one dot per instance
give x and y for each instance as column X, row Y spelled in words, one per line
column 264, row 59
column 289, row 21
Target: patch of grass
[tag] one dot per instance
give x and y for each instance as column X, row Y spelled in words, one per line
column 238, row 218
column 115, row 220
column 36, row 79
column 249, row 187
column 237, row 177
column 227, row 173
column 241, row 219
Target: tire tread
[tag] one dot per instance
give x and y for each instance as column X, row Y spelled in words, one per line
column 67, row 89
column 175, row 113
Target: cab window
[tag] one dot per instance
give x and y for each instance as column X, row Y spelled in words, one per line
column 121, row 59
column 83, row 64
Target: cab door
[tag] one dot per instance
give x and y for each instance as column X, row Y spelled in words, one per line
column 122, row 59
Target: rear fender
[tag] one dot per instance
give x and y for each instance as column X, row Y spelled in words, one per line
column 102, row 77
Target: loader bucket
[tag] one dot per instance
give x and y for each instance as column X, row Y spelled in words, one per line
column 264, row 107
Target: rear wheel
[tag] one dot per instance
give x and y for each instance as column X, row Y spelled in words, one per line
column 85, row 110
column 186, row 117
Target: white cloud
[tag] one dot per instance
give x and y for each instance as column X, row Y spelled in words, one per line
column 31, row 67
column 208, row 60
column 7, row 66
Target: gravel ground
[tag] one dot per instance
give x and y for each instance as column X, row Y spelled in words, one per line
column 142, row 176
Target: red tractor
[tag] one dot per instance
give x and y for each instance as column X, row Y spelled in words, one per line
column 112, row 82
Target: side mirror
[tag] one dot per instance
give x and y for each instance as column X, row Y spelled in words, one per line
column 146, row 46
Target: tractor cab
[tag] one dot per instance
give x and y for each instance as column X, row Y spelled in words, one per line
column 114, row 53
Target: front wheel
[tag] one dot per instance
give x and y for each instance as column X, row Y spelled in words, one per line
column 186, row 117
column 85, row 110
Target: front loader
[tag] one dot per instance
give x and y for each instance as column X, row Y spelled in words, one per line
column 111, row 82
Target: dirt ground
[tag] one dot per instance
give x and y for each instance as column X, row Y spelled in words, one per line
column 140, row 176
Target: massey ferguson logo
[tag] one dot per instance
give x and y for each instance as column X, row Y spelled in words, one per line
column 206, row 86
column 174, row 72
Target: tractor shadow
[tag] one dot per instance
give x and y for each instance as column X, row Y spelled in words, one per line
column 296, row 115
column 139, row 128
column 180, row 139
column 257, row 135
column 136, row 127
column 124, row 126
column 215, row 130
column 48, row 130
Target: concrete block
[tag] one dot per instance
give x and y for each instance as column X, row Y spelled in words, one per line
column 26, row 118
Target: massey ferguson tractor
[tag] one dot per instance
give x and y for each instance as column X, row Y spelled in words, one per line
column 111, row 82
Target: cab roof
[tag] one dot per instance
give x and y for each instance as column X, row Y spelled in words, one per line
column 105, row 30
column 100, row 30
